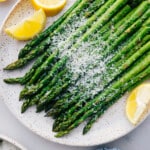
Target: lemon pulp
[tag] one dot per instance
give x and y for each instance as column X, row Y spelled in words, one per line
column 51, row 7
column 29, row 27
column 138, row 103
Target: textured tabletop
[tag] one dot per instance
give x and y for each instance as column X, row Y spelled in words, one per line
column 9, row 125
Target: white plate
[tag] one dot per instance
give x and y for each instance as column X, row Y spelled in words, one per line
column 112, row 125
column 10, row 144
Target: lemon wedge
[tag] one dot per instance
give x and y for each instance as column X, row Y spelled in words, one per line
column 2, row 0
column 29, row 27
column 138, row 103
column 51, row 7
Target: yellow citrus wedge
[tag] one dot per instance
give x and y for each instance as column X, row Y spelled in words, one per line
column 51, row 7
column 138, row 103
column 29, row 27
column 2, row 0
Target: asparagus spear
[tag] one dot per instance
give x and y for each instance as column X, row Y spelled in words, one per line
column 48, row 97
column 56, row 111
column 23, row 80
column 102, row 20
column 142, row 50
column 43, row 67
column 79, row 6
column 128, row 32
column 109, row 46
column 126, row 87
column 67, row 80
column 144, row 6
column 93, row 105
column 106, row 16
column 125, row 56
column 127, row 22
column 133, row 43
column 121, row 22
column 29, row 46
column 115, row 20
column 41, row 48
column 89, row 23
column 21, row 62
column 107, row 78
column 31, row 90
column 61, row 107
column 110, row 74
column 131, row 60
column 32, row 101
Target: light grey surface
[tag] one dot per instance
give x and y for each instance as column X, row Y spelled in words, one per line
column 137, row 140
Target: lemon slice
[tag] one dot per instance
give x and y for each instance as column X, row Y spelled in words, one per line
column 2, row 0
column 138, row 103
column 51, row 7
column 29, row 27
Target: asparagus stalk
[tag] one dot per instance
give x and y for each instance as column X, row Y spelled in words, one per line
column 48, row 97
column 31, row 90
column 126, row 64
column 23, row 80
column 32, row 101
column 104, row 18
column 39, row 38
column 123, row 89
column 110, row 74
column 121, row 64
column 117, row 25
column 61, row 107
column 127, row 22
column 41, row 48
column 23, row 61
column 93, row 105
column 43, row 67
column 89, row 23
column 125, row 56
column 127, row 33
column 72, row 110
column 115, row 20
column 143, row 7
column 139, row 37
column 56, row 111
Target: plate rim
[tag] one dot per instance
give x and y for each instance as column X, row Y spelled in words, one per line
column 12, row 141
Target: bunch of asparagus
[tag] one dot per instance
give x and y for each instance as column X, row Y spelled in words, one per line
column 85, row 61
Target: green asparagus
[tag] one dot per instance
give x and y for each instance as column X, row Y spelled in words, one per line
column 126, row 87
column 32, row 101
column 41, row 48
column 31, row 90
column 29, row 46
column 93, row 105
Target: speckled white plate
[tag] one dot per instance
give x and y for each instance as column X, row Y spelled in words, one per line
column 112, row 125
column 9, row 144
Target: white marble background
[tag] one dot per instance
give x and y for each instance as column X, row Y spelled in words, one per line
column 137, row 140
